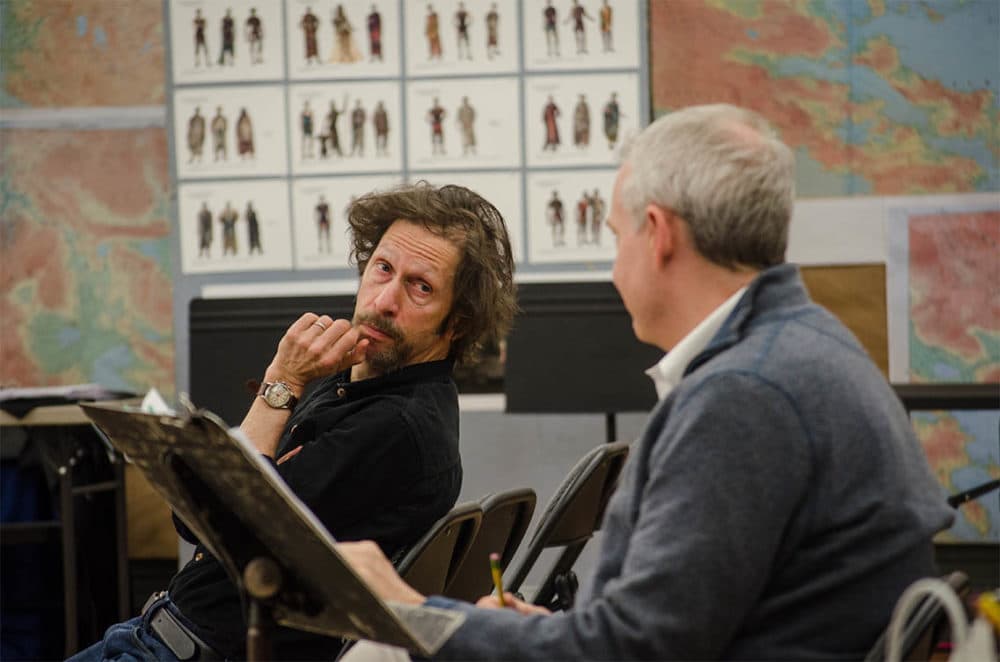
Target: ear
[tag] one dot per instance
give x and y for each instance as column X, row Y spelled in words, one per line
column 662, row 227
column 448, row 328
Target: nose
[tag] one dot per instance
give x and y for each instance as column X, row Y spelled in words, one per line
column 387, row 300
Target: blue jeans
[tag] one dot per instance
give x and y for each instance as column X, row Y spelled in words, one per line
column 131, row 641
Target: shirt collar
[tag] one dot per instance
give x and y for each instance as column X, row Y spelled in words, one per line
column 411, row 374
column 667, row 373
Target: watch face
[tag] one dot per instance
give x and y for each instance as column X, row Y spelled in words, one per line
column 277, row 395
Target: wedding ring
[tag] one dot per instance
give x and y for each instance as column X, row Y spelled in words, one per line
column 319, row 324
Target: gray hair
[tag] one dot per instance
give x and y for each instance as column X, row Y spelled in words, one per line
column 725, row 172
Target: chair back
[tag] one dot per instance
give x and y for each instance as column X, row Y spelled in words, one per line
column 505, row 519
column 923, row 628
column 570, row 519
column 430, row 563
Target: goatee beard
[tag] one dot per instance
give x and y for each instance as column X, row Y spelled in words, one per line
column 391, row 357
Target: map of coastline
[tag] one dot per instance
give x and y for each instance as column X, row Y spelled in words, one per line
column 963, row 448
column 81, row 53
column 952, row 318
column 954, row 314
column 885, row 97
column 87, row 275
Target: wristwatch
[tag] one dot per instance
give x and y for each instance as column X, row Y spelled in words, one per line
column 278, row 395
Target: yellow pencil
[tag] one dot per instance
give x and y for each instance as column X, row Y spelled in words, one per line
column 497, row 578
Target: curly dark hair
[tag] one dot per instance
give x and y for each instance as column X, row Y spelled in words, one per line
column 485, row 299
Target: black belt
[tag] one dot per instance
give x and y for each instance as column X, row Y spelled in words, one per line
column 176, row 636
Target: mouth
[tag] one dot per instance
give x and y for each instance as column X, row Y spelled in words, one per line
column 374, row 334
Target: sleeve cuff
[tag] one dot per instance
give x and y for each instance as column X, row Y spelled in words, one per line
column 445, row 603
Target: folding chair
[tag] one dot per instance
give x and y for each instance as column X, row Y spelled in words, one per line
column 569, row 521
column 505, row 519
column 429, row 565
column 924, row 628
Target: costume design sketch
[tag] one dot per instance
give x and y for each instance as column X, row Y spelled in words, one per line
column 550, row 116
column 435, row 116
column 196, row 135
column 255, row 37
column 200, row 45
column 310, row 26
column 345, row 51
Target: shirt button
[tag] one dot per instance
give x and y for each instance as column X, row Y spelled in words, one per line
column 341, row 392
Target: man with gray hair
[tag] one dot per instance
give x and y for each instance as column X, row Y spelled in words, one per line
column 777, row 503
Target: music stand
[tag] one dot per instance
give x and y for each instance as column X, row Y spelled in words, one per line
column 271, row 545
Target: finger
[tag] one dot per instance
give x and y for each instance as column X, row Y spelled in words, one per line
column 339, row 347
column 488, row 602
column 333, row 351
column 359, row 352
column 327, row 331
column 322, row 323
column 337, row 327
column 303, row 323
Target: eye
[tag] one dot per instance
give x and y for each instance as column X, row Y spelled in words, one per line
column 378, row 270
column 422, row 288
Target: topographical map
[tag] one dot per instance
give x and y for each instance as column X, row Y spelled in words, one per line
column 877, row 97
column 85, row 270
column 943, row 269
column 81, row 53
column 963, row 448
column 954, row 321
column 954, row 312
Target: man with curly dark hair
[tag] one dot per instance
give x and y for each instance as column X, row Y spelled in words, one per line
column 483, row 303
column 372, row 448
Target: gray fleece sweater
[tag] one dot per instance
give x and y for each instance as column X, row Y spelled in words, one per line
column 775, row 507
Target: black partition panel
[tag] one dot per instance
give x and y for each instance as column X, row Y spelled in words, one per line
column 233, row 340
column 916, row 397
column 572, row 350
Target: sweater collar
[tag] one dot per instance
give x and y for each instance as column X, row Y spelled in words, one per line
column 776, row 288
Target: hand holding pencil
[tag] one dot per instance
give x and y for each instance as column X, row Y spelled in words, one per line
column 497, row 577
column 504, row 600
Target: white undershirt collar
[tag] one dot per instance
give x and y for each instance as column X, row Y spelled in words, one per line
column 667, row 373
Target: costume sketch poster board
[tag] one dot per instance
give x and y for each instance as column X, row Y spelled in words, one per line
column 277, row 103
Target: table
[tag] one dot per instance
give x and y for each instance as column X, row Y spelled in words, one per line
column 54, row 426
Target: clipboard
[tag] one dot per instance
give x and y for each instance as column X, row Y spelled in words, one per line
column 241, row 509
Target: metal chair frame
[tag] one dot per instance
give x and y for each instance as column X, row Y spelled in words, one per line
column 429, row 565
column 569, row 521
column 506, row 516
